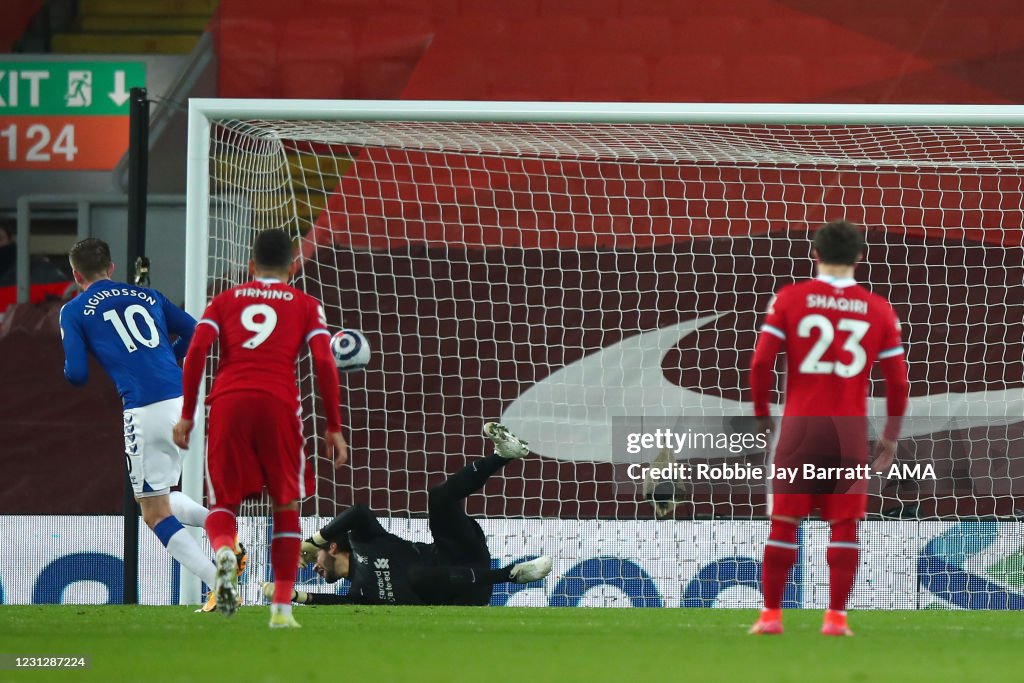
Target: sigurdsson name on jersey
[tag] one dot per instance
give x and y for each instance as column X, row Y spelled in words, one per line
column 831, row 303
column 93, row 301
column 273, row 294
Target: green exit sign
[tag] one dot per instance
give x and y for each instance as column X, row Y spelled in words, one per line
column 68, row 88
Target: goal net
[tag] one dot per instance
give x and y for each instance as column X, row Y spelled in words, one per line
column 593, row 276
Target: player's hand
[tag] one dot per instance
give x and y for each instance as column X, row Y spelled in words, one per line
column 181, row 433
column 885, row 452
column 337, row 448
column 308, row 553
column 765, row 424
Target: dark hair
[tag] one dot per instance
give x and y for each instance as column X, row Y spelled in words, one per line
column 273, row 249
column 90, row 257
column 839, row 243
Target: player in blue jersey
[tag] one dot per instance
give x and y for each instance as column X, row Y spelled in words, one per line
column 127, row 329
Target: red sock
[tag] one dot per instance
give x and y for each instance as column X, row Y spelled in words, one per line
column 779, row 557
column 222, row 527
column 842, row 559
column 285, row 546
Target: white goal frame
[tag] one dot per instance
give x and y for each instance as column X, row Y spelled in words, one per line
column 203, row 111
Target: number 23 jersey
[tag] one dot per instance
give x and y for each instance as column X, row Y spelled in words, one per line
column 262, row 327
column 833, row 331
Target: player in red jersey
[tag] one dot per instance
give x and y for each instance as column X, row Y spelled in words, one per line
column 255, row 428
column 833, row 331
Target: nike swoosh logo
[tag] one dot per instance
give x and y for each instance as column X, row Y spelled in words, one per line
column 568, row 414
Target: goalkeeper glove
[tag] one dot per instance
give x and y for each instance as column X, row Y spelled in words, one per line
column 310, row 547
column 301, row 597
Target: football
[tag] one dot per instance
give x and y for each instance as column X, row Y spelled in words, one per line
column 351, row 350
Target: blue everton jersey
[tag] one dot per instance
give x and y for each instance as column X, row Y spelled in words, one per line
column 126, row 328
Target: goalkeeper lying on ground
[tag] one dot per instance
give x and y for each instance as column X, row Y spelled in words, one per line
column 388, row 570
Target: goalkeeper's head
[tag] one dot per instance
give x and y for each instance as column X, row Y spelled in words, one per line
column 332, row 562
column 273, row 255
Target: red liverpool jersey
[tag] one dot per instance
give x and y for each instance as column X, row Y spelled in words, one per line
column 833, row 330
column 262, row 327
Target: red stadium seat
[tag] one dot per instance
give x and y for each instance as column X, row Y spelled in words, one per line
column 484, row 32
column 643, row 35
column 303, row 79
column 509, row 8
column 610, row 77
column 591, row 9
column 393, row 36
column 532, row 76
column 318, row 39
column 690, row 78
column 770, row 78
column 710, row 34
column 559, row 34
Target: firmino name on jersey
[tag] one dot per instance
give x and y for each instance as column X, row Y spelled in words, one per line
column 94, row 300
column 831, row 303
column 270, row 294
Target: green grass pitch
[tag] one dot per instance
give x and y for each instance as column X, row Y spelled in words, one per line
column 486, row 645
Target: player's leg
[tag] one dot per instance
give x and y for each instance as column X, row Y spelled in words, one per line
column 284, row 558
column 780, row 554
column 231, row 477
column 472, row 477
column 154, row 466
column 843, row 511
column 280, row 455
column 459, row 580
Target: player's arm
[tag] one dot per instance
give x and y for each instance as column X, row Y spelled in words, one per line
column 358, row 519
column 893, row 364
column 180, row 323
column 304, row 598
column 770, row 341
column 206, row 333
column 319, row 342
column 76, row 355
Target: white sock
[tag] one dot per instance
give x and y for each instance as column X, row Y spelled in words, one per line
column 188, row 511
column 281, row 609
column 185, row 550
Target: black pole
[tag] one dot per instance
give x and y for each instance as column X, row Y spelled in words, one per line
column 138, row 182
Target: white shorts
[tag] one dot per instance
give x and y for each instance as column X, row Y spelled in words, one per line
column 154, row 462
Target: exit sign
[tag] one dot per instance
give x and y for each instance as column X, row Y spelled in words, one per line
column 65, row 115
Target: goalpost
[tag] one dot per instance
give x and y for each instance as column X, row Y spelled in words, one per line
column 587, row 271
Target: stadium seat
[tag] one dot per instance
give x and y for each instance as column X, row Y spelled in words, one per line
column 531, row 76
column 780, row 34
column 841, row 72
column 393, row 35
column 309, row 79
column 770, row 78
column 708, row 34
column 592, row 9
column 510, row 8
column 690, row 78
column 643, row 34
column 482, row 32
column 558, row 34
column 610, row 77
column 381, row 79
column 454, row 74
column 318, row 39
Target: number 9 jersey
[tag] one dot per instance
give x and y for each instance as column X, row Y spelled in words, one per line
column 833, row 330
column 262, row 327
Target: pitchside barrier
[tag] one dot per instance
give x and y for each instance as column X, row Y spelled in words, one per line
column 904, row 564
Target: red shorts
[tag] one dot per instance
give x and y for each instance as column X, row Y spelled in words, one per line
column 833, row 443
column 832, row 506
column 254, row 440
